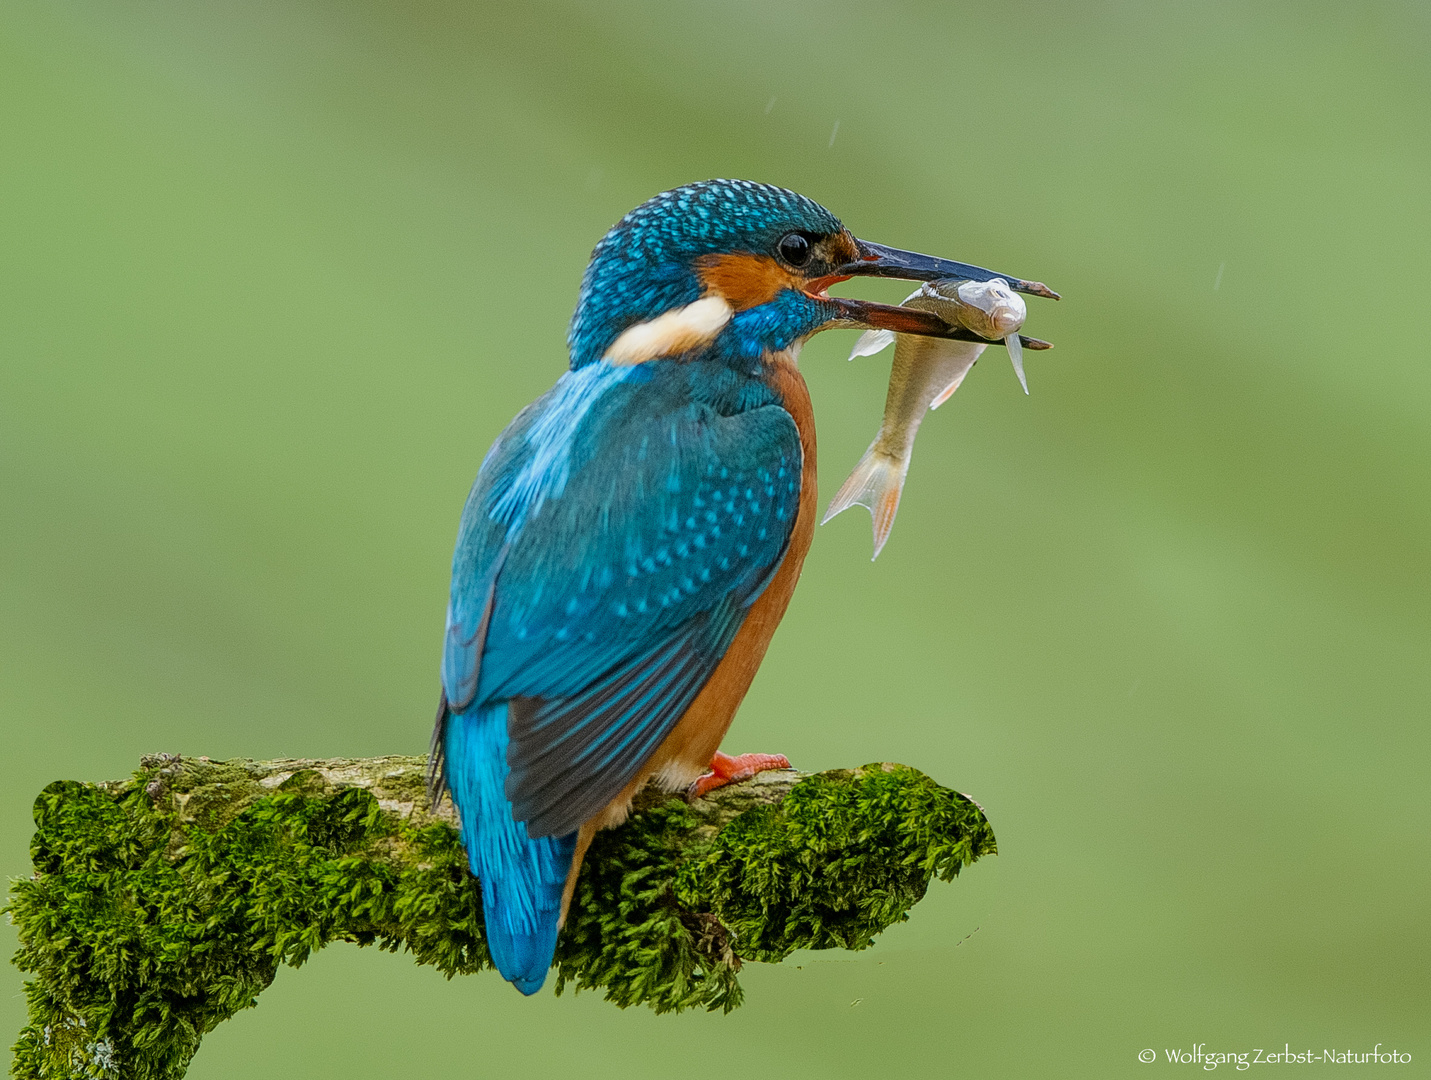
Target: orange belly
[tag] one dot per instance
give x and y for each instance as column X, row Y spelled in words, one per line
column 686, row 752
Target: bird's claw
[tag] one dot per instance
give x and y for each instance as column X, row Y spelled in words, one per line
column 732, row 770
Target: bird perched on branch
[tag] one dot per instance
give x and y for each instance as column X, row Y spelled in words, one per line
column 635, row 534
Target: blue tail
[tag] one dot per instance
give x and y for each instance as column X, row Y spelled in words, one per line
column 522, row 879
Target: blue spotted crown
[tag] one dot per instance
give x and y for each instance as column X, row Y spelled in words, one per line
column 645, row 264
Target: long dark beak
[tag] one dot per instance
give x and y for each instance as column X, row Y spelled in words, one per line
column 903, row 320
column 876, row 260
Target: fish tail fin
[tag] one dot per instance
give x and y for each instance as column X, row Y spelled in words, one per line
column 875, row 484
column 522, row 878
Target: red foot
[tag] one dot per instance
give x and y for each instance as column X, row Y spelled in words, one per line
column 732, row 770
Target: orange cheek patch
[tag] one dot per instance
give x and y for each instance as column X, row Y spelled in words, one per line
column 746, row 281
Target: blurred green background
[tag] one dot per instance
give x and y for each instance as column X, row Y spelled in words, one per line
column 274, row 274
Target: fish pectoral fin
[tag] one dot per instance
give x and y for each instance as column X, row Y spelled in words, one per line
column 948, row 392
column 1016, row 354
column 871, row 342
column 875, row 484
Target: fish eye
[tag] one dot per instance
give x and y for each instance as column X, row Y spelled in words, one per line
column 794, row 249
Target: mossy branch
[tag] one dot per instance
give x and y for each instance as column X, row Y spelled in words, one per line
column 163, row 904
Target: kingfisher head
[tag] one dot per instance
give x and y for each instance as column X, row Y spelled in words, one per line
column 737, row 270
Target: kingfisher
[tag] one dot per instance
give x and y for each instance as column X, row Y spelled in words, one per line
column 634, row 536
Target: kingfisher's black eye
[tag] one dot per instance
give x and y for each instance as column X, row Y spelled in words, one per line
column 795, row 249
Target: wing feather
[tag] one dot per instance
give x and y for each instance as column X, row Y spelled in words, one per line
column 605, row 601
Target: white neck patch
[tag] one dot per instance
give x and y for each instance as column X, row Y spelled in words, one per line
column 677, row 331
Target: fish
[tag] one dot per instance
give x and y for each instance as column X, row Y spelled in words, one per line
column 926, row 372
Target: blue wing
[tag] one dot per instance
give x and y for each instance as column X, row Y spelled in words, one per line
column 614, row 540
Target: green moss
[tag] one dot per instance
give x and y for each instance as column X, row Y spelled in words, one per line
column 162, row 905
column 844, row 856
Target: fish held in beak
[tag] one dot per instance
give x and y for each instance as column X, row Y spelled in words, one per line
column 981, row 290
column 925, row 373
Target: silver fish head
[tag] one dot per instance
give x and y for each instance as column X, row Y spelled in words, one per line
column 990, row 308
